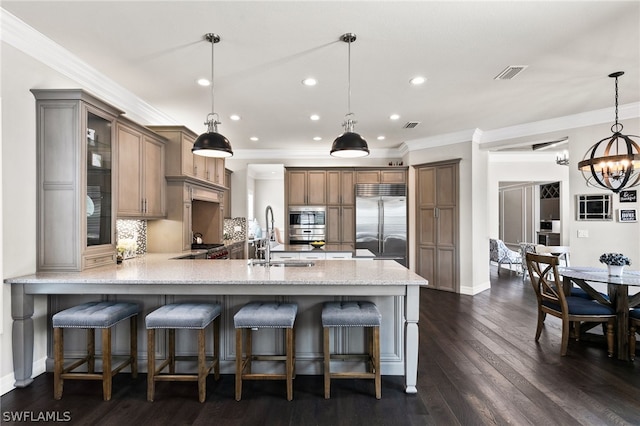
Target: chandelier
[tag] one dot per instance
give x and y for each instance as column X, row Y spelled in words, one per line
column 613, row 162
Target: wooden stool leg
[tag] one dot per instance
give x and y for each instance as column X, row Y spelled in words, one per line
column 172, row 351
column 151, row 363
column 202, row 367
column 106, row 363
column 289, row 366
column 376, row 362
column 91, row 350
column 133, row 337
column 327, row 363
column 238, row 363
column 58, row 349
column 632, row 342
column 248, row 349
column 216, row 347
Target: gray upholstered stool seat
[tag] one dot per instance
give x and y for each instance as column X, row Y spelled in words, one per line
column 92, row 315
column 352, row 314
column 193, row 316
column 257, row 315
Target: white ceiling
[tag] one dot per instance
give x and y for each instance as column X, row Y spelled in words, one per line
column 156, row 50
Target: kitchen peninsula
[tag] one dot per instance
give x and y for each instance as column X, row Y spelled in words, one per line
column 156, row 279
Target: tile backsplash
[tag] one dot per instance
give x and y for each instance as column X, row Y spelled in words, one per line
column 133, row 229
column 235, row 228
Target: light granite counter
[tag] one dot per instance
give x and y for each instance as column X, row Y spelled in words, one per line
column 156, row 279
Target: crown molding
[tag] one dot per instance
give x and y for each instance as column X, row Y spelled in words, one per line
column 23, row 37
column 439, row 140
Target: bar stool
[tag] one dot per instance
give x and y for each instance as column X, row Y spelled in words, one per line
column 193, row 316
column 352, row 314
column 634, row 327
column 92, row 315
column 256, row 315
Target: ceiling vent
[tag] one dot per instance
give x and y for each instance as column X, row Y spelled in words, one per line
column 410, row 124
column 510, row 72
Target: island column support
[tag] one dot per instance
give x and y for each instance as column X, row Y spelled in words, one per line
column 22, row 335
column 412, row 307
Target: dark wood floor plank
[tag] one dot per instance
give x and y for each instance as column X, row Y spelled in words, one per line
column 478, row 365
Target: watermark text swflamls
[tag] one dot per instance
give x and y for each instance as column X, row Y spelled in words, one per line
column 36, row 416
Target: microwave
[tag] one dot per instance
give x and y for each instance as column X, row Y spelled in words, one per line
column 594, row 207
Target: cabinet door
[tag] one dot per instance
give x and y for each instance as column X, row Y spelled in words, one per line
column 220, row 173
column 348, row 226
column 187, row 156
column 187, row 234
column 130, row 198
column 334, row 190
column 333, row 225
column 392, row 176
column 368, row 176
column 316, row 187
column 153, row 178
column 199, row 166
column 297, row 186
column 347, row 188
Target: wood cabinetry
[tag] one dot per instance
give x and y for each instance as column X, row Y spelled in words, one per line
column 437, row 224
column 180, row 160
column 227, row 193
column 341, row 224
column 340, row 187
column 382, row 176
column 141, row 164
column 76, row 174
column 306, row 187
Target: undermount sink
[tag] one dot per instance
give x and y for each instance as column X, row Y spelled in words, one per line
column 281, row 263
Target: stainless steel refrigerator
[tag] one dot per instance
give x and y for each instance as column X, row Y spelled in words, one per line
column 381, row 220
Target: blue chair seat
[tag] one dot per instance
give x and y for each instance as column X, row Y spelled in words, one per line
column 582, row 306
column 635, row 313
column 578, row 292
column 266, row 315
column 350, row 314
column 94, row 315
column 183, row 315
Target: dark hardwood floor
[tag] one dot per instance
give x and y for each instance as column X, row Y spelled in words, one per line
column 478, row 365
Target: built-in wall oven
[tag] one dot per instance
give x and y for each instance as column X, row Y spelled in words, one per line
column 307, row 223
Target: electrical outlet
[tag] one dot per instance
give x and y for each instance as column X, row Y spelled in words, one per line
column 583, row 233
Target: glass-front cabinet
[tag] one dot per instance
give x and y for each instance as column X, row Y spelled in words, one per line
column 76, row 217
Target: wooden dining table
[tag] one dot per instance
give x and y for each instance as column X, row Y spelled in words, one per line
column 618, row 296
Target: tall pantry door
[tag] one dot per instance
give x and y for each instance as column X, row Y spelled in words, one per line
column 437, row 224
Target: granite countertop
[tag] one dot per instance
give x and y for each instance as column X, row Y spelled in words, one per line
column 161, row 268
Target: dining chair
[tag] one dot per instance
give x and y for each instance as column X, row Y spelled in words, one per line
column 543, row 273
column 634, row 327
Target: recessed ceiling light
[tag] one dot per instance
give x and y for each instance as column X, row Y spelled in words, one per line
column 254, row 139
column 310, row 81
column 380, row 138
column 418, row 80
column 317, row 138
column 394, row 116
column 314, row 117
column 204, row 82
column 234, row 117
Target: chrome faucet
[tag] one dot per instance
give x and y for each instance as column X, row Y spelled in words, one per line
column 269, row 231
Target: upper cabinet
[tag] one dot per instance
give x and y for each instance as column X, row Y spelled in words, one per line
column 340, row 187
column 76, row 176
column 306, row 187
column 382, row 176
column 181, row 163
column 141, row 165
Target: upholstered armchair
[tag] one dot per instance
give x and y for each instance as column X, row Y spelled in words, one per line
column 500, row 254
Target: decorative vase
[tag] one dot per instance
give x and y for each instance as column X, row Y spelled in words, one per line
column 615, row 270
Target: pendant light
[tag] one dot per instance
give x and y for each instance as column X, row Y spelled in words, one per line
column 614, row 162
column 349, row 144
column 212, row 143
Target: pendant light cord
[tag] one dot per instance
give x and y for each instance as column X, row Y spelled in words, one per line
column 349, row 79
column 213, row 43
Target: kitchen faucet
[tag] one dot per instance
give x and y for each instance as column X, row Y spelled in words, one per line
column 269, row 231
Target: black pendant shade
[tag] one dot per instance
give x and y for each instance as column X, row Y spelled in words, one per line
column 212, row 144
column 349, row 145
